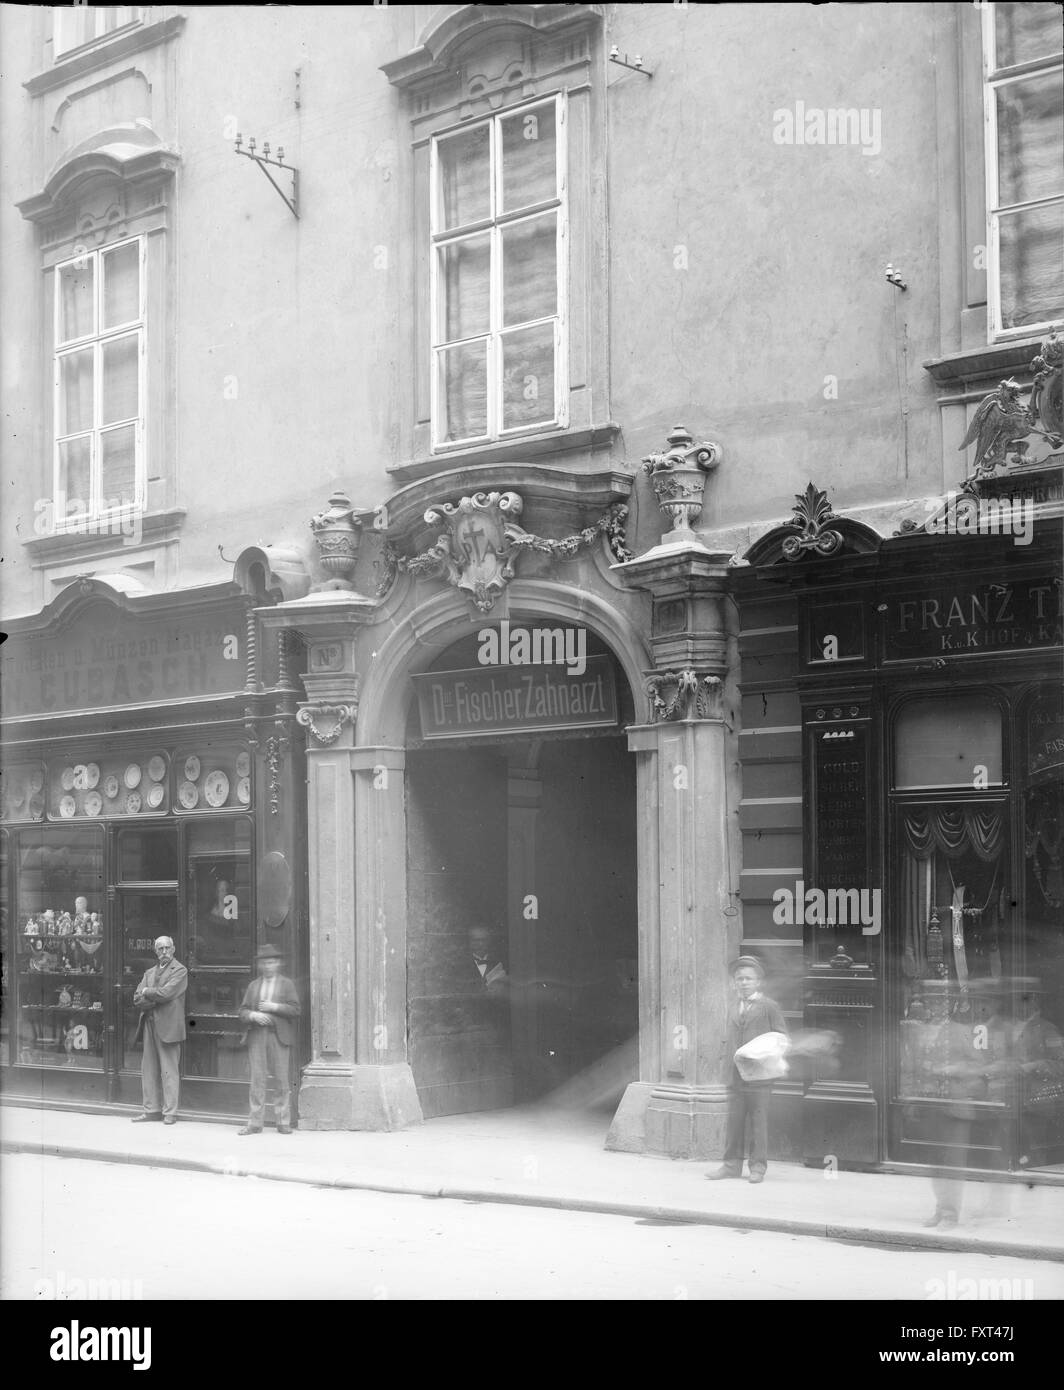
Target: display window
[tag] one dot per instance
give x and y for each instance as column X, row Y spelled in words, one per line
column 87, row 890
column 978, row 930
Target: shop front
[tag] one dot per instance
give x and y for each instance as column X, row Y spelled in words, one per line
column 927, row 672
column 141, row 796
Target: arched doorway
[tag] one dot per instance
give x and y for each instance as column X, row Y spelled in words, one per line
column 521, row 928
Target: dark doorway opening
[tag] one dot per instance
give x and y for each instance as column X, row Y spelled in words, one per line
column 522, row 923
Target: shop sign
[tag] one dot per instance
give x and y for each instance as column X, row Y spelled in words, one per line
column 1045, row 737
column 109, row 659
column 516, row 699
column 955, row 620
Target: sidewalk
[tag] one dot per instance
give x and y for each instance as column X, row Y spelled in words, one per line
column 554, row 1158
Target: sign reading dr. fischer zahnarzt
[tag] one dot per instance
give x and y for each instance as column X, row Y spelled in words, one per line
column 515, row 699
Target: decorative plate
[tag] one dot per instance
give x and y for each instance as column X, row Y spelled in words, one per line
column 132, row 776
column 133, row 803
column 36, row 806
column 67, row 779
column 243, row 791
column 243, row 764
column 92, row 775
column 67, row 807
column 188, row 795
column 110, row 786
column 157, row 768
column 216, row 788
column 35, row 781
column 192, row 768
column 155, row 796
column 93, row 804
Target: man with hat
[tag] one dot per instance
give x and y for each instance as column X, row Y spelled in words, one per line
column 269, row 1008
column 753, row 1013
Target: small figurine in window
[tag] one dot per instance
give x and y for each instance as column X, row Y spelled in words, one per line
column 64, row 998
column 48, row 922
column 31, row 928
column 64, row 924
column 94, row 923
column 82, row 920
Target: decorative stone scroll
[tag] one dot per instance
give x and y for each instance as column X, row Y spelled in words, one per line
column 326, row 722
column 679, row 480
column 812, row 513
column 675, row 694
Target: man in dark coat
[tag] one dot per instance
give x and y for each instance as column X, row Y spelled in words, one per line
column 160, row 997
column 752, row 1014
column 269, row 1009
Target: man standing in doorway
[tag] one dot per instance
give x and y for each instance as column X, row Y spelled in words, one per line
column 269, row 1009
column 752, row 1014
column 160, row 997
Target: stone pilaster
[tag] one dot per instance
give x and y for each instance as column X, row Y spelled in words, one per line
column 689, row 926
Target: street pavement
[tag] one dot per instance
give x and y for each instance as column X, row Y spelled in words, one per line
column 552, row 1158
column 77, row 1229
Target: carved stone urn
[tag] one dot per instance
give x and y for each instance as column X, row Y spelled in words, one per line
column 338, row 533
column 679, row 480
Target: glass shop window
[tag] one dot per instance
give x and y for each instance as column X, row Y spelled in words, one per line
column 948, row 741
column 498, row 302
column 219, row 894
column 148, row 856
column 60, row 913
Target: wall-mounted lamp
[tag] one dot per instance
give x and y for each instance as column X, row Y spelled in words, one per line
column 894, row 278
column 278, row 163
column 636, row 64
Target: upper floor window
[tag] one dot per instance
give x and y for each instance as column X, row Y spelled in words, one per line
column 1024, row 106
column 498, row 226
column 83, row 24
column 99, row 383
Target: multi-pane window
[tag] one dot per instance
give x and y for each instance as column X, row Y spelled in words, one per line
column 498, row 275
column 1024, row 95
column 82, row 24
column 99, row 386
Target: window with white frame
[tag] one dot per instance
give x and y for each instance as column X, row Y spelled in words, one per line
column 99, row 383
column 498, row 225
column 83, row 24
column 1024, row 107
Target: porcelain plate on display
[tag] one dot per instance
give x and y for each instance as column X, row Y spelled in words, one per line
column 155, row 796
column 133, row 803
column 192, row 768
column 93, row 804
column 66, row 781
column 216, row 788
column 92, row 775
column 157, row 768
column 243, row 764
column 110, row 786
column 67, row 807
column 132, row 776
column 188, row 795
column 243, row 791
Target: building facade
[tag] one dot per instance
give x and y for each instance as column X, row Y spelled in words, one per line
column 597, row 481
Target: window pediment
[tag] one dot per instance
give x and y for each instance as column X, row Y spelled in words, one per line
column 131, row 154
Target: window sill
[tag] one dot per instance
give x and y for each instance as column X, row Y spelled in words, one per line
column 984, row 364
column 531, row 446
column 86, row 60
column 77, row 545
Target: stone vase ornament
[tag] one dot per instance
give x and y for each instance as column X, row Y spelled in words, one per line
column 679, row 480
column 338, row 533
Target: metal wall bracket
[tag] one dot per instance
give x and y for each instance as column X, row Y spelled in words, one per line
column 263, row 160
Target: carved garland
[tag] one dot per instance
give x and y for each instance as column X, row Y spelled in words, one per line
column 309, row 715
column 702, row 693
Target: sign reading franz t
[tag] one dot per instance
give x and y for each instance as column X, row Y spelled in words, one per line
column 515, row 699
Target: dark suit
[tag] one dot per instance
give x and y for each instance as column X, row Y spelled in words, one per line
column 162, row 1020
column 749, row 1098
column 270, row 1047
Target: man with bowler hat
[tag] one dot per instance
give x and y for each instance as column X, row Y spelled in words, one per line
column 752, row 1014
column 269, row 1009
